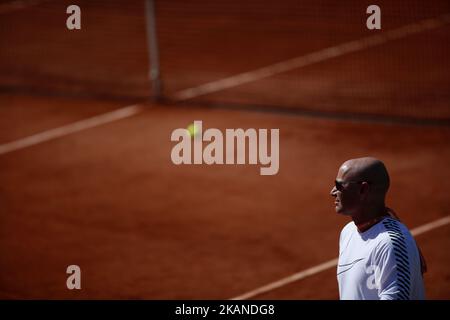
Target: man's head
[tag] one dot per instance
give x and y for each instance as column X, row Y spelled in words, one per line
column 360, row 184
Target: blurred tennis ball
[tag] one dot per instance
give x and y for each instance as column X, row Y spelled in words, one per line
column 193, row 130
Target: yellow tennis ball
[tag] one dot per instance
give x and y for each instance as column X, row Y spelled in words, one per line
column 193, row 130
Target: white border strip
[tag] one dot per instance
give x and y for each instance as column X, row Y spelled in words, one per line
column 328, row 265
column 71, row 128
column 312, row 58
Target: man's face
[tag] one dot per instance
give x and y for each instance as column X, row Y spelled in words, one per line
column 346, row 192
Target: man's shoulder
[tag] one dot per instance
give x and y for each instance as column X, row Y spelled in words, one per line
column 392, row 233
column 348, row 228
column 394, row 228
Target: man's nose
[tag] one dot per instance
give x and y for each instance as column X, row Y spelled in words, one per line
column 333, row 191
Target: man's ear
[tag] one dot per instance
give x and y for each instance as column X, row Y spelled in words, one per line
column 365, row 187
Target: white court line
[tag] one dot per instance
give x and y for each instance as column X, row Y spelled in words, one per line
column 430, row 226
column 327, row 265
column 312, row 58
column 71, row 128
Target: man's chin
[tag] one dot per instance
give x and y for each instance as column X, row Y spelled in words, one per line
column 340, row 211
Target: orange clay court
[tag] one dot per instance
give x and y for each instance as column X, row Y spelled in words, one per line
column 85, row 168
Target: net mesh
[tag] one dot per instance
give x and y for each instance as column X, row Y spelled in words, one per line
column 405, row 77
column 201, row 42
column 107, row 57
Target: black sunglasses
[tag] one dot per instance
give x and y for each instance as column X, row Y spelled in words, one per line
column 340, row 184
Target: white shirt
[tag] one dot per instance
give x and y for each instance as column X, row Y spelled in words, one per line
column 382, row 263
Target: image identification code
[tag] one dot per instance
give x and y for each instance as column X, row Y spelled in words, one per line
column 226, row 309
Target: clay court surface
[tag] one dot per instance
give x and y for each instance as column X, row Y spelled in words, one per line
column 109, row 199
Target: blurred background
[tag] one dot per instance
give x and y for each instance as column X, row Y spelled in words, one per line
column 85, row 123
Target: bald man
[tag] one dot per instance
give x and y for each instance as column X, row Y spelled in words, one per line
column 378, row 257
